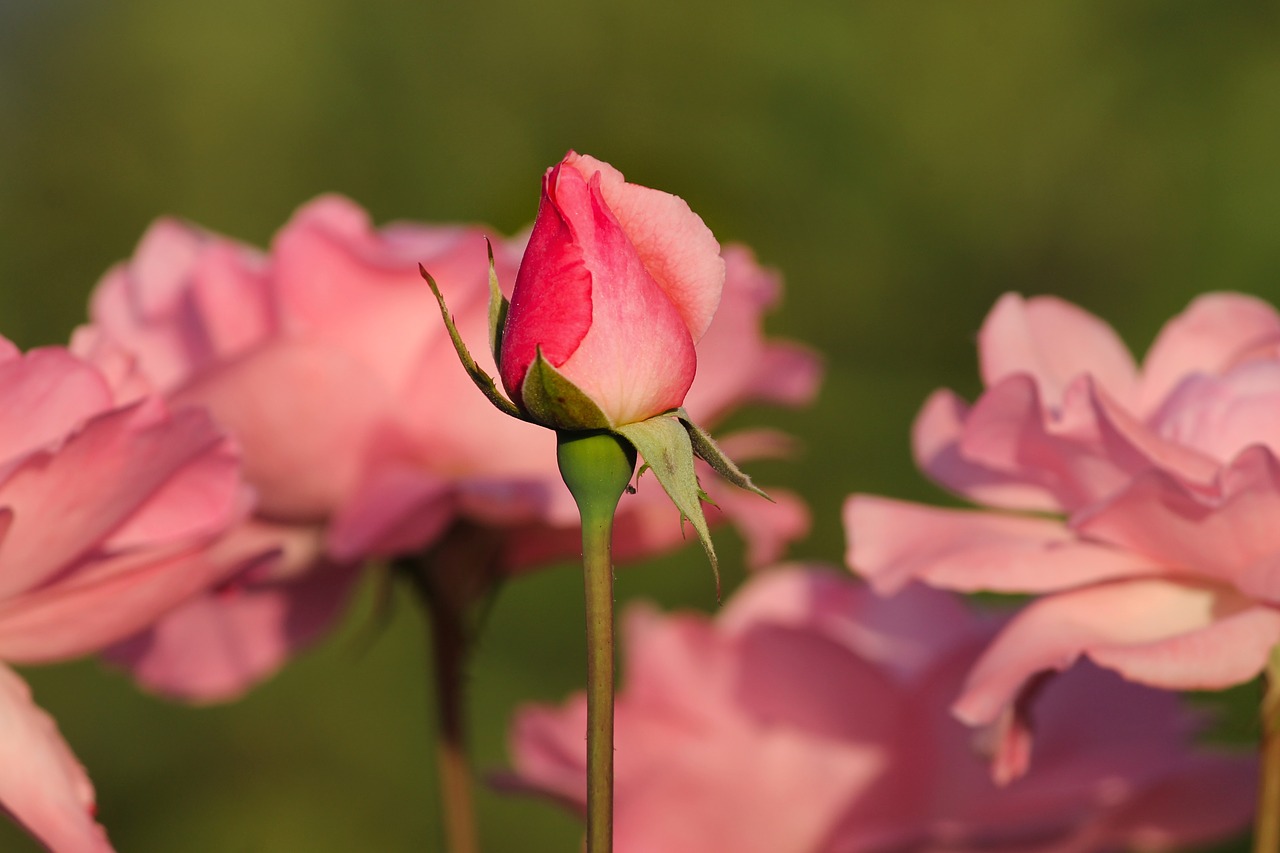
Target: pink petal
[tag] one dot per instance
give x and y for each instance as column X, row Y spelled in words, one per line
column 1200, row 800
column 399, row 510
column 551, row 305
column 231, row 303
column 1134, row 446
column 200, row 500
column 185, row 298
column 894, row 542
column 936, row 437
column 801, row 679
column 637, row 358
column 41, row 783
column 674, row 244
column 1082, row 451
column 218, row 645
column 63, row 621
column 303, row 415
column 98, row 482
column 118, row 366
column 1217, row 537
column 1220, row 416
column 1053, row 342
column 706, row 793
column 1215, row 331
column 1157, row 632
column 906, row 634
column 354, row 289
column 1062, row 452
column 676, row 666
column 54, row 392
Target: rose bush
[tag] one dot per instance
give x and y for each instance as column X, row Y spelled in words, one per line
column 363, row 436
column 1162, row 560
column 811, row 716
column 110, row 514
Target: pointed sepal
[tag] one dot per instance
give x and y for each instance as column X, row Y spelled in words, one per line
column 708, row 451
column 554, row 401
column 483, row 380
column 498, row 307
column 666, row 448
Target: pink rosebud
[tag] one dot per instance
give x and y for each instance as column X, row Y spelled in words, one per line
column 1163, row 563
column 361, row 433
column 618, row 284
column 107, row 516
column 810, row 716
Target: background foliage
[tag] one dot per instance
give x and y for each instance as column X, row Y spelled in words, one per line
column 902, row 163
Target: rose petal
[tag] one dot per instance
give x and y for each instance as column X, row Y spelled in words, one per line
column 101, row 477
column 1215, row 331
column 41, row 783
column 905, row 634
column 218, row 645
column 399, row 510
column 673, row 243
column 1054, row 342
column 894, row 542
column 358, row 291
column 54, row 392
column 66, row 620
column 331, row 408
column 631, row 374
column 1157, row 632
column 184, row 298
column 936, row 438
column 1221, row 538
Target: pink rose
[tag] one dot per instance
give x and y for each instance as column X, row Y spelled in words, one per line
column 364, row 437
column 810, row 716
column 107, row 513
column 618, row 284
column 1162, row 562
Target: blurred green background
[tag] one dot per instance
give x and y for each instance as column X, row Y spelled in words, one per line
column 902, row 163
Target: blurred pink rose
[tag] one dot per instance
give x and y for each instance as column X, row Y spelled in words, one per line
column 617, row 285
column 362, row 433
column 1166, row 567
column 811, row 716
column 106, row 515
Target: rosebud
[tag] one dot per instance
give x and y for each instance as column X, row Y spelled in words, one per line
column 616, row 286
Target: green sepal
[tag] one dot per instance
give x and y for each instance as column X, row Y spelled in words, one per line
column 554, row 401
column 664, row 443
column 483, row 380
column 707, row 450
column 498, row 307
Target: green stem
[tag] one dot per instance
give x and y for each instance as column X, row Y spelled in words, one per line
column 1266, row 835
column 597, row 467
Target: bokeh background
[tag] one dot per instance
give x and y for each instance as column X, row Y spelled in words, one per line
column 902, row 163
